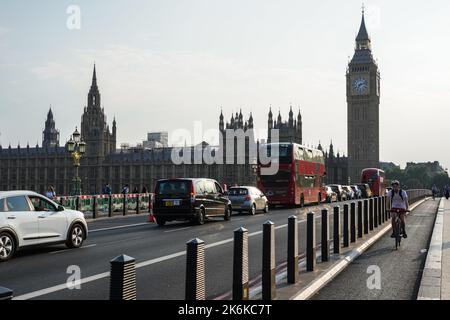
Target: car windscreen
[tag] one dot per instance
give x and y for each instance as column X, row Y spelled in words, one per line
column 238, row 192
column 173, row 187
column 284, row 152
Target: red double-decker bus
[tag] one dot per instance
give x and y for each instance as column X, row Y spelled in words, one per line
column 376, row 179
column 300, row 176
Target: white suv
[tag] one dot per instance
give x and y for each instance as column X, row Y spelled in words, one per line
column 30, row 219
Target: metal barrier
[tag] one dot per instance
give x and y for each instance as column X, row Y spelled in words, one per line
column 102, row 203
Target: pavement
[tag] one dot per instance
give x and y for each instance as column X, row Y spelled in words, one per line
column 435, row 284
column 383, row 273
column 159, row 253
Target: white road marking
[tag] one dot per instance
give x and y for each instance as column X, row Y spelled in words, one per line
column 65, row 250
column 119, row 227
column 175, row 230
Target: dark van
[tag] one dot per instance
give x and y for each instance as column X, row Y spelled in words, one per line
column 190, row 199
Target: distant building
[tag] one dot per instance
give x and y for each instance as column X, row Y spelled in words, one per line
column 156, row 140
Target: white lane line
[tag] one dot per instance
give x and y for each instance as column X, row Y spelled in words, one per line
column 175, row 230
column 63, row 286
column 120, row 227
column 65, row 250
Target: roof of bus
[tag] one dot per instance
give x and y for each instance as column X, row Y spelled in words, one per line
column 372, row 169
column 290, row 143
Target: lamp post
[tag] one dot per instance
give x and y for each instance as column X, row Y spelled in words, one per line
column 76, row 147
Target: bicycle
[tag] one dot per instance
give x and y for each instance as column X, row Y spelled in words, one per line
column 398, row 226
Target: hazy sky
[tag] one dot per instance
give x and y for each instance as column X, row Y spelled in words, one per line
column 162, row 65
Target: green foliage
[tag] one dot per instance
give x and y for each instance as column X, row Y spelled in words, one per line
column 418, row 177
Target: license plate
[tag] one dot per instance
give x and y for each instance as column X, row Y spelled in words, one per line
column 172, row 203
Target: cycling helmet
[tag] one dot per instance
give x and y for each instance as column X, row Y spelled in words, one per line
column 395, row 182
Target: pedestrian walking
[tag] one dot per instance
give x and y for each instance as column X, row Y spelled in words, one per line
column 50, row 193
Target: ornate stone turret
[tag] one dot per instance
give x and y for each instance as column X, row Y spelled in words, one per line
column 289, row 131
column 94, row 129
column 50, row 136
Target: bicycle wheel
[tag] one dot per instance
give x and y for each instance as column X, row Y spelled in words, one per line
column 398, row 236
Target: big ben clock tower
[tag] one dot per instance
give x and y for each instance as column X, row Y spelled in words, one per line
column 363, row 102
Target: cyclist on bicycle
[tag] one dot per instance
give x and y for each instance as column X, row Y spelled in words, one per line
column 399, row 201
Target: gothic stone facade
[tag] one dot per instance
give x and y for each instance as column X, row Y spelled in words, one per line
column 35, row 168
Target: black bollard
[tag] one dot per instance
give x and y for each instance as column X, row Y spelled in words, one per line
column 292, row 251
column 360, row 219
column 94, row 207
column 138, row 204
column 6, row 294
column 375, row 213
column 336, row 230
column 110, row 206
column 346, row 230
column 381, row 210
column 366, row 216
column 385, row 208
column 268, row 263
column 371, row 214
column 310, row 242
column 353, row 222
column 325, row 243
column 122, row 278
column 240, row 265
column 125, row 205
column 195, row 270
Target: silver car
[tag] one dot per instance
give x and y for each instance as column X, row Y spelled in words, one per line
column 249, row 199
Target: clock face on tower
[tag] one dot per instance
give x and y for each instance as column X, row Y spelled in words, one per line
column 360, row 85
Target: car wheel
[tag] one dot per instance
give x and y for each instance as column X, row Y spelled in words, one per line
column 266, row 208
column 76, row 236
column 201, row 217
column 253, row 210
column 160, row 221
column 7, row 246
column 227, row 215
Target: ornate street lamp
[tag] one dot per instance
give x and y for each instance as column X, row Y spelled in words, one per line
column 76, row 147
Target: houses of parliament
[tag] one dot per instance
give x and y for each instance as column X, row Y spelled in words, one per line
column 36, row 167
